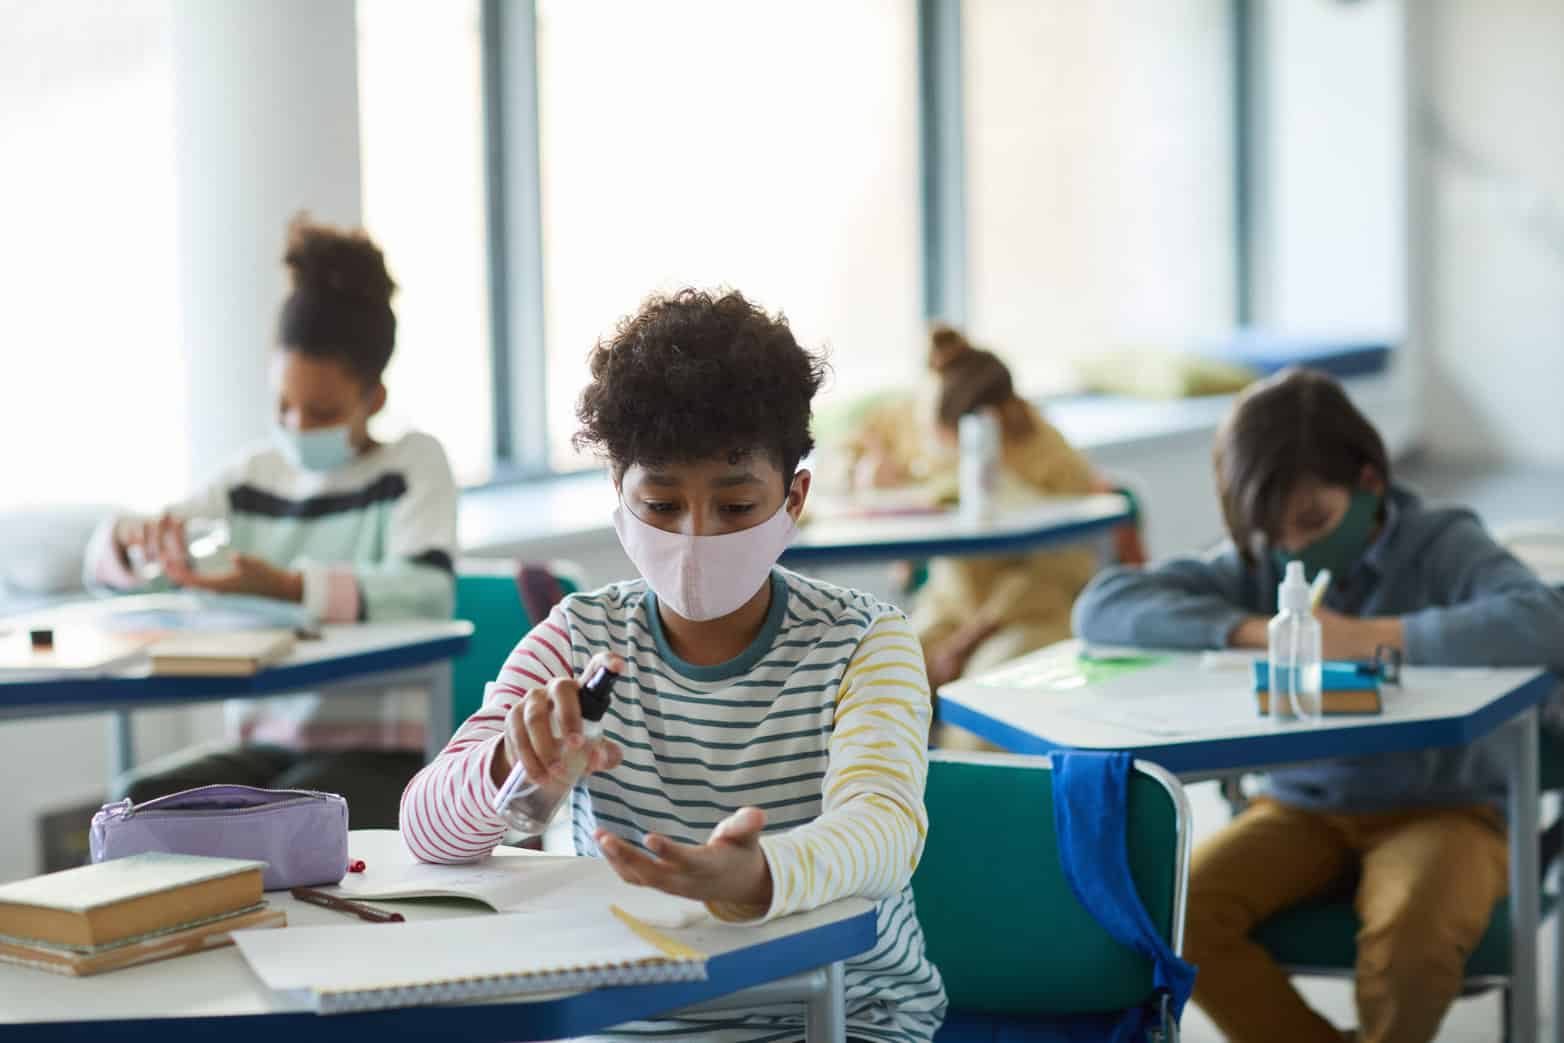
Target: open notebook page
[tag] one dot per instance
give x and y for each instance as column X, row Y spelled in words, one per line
column 510, row 880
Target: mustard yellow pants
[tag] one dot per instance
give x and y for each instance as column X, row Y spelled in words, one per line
column 1427, row 881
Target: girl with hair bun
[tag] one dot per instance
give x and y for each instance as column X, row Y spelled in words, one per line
column 975, row 613
column 324, row 515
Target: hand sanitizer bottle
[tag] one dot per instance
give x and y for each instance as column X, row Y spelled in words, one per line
column 527, row 806
column 1295, row 650
column 978, row 471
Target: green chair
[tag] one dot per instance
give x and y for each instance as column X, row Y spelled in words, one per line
column 489, row 595
column 1319, row 938
column 995, row 905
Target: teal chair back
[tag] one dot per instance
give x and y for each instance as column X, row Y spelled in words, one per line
column 487, row 596
column 998, row 916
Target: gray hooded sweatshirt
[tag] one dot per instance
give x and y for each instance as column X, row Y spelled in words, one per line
column 1463, row 601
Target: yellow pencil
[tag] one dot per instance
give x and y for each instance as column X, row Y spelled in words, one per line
column 1317, row 590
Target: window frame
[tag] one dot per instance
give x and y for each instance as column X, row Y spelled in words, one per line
column 513, row 184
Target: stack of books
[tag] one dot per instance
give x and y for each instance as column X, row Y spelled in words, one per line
column 129, row 911
column 1346, row 688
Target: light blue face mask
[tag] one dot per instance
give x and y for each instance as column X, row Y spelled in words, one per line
column 323, row 449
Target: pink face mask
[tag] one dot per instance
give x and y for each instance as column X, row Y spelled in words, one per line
column 704, row 577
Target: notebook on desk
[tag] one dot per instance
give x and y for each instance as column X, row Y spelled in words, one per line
column 236, row 654
column 360, row 967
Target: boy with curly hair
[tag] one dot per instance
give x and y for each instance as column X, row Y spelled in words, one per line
column 765, row 751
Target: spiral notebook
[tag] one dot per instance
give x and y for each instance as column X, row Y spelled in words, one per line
column 359, row 967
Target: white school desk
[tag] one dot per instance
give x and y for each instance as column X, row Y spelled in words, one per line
column 343, row 658
column 1200, row 722
column 215, row 995
column 831, row 540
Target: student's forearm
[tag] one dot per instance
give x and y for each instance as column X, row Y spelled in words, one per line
column 405, row 590
column 1516, row 630
column 864, row 849
column 1342, row 637
column 1177, row 606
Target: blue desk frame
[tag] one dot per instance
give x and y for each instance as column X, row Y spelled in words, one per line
column 986, row 545
column 1317, row 742
column 954, row 544
column 83, row 695
column 568, row 1016
column 123, row 694
column 1515, row 712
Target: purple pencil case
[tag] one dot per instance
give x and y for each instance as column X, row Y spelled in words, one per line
column 301, row 835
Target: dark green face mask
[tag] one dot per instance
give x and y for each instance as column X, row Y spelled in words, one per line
column 1339, row 549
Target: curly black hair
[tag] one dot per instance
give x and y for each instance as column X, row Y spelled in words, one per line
column 694, row 375
column 340, row 303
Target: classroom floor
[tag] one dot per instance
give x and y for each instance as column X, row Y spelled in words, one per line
column 1475, row 1020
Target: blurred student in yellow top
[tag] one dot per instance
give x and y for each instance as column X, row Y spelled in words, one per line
column 975, row 613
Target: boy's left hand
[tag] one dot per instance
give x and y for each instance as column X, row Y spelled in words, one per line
column 728, row 868
column 248, row 575
column 1356, row 638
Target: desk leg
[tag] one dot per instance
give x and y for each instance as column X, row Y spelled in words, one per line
column 1525, row 891
column 826, row 1021
column 122, row 748
column 437, row 723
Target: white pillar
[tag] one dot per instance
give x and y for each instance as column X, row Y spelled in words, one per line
column 266, row 124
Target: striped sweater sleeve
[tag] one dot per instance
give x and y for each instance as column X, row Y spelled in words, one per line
column 448, row 809
column 870, row 832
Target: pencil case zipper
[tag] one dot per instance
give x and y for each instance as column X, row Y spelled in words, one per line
column 124, row 809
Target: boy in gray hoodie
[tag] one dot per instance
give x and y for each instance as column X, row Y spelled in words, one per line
column 1304, row 476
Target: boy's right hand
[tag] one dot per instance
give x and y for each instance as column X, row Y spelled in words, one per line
column 529, row 731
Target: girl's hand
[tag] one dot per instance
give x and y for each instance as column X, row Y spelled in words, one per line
column 729, row 868
column 247, row 575
column 529, row 731
column 149, row 536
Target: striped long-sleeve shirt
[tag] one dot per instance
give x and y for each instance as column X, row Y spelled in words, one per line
column 822, row 723
column 372, row 540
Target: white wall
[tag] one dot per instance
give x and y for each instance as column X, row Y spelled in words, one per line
column 266, row 116
column 266, row 123
column 1492, row 86
column 1329, row 167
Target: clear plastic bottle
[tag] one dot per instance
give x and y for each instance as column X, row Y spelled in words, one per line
column 1296, row 673
column 978, row 471
column 206, row 547
column 528, row 806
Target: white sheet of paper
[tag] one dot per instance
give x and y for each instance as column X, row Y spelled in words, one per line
column 1229, row 659
column 1170, row 717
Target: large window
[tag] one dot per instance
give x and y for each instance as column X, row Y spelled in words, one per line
column 1100, row 188
column 767, row 145
column 770, row 146
column 1331, row 230
column 92, row 404
column 421, row 126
